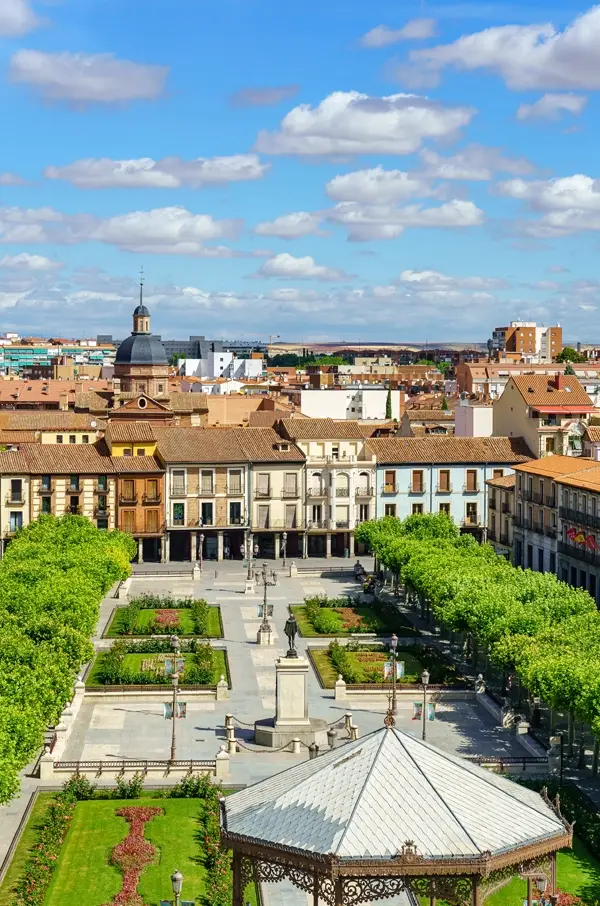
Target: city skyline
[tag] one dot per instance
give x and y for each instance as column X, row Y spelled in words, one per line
column 327, row 172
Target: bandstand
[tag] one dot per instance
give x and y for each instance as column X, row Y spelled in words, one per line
column 389, row 814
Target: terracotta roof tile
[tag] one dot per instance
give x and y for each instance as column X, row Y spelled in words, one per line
column 19, row 437
column 442, row 449
column 67, row 459
column 53, row 420
column 13, row 463
column 264, row 445
column 201, row 445
column 129, row 432
column 429, row 415
column 593, row 433
column 539, row 390
column 321, row 429
column 130, row 464
column 264, row 418
column 507, row 482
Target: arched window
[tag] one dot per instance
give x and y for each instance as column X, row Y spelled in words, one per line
column 316, row 484
column 364, row 483
column 342, row 484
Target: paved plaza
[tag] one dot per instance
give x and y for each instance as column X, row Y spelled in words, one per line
column 138, row 730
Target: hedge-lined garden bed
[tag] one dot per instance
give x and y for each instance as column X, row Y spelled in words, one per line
column 149, row 615
column 150, row 662
column 83, row 861
column 53, row 577
column 360, row 663
column 343, row 617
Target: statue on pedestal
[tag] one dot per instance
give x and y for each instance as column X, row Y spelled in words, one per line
column 291, row 630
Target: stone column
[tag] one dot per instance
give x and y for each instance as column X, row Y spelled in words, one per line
column 193, row 546
column 277, row 540
column 220, row 546
column 167, row 547
column 328, row 545
column 304, row 546
column 163, row 549
column 140, row 550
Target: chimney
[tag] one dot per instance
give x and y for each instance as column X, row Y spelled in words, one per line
column 559, row 381
column 63, row 402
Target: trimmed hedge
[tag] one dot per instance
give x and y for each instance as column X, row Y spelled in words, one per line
column 52, row 579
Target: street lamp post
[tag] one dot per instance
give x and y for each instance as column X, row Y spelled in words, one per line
column 425, row 682
column 176, row 645
column 284, row 546
column 176, row 885
column 246, row 549
column 393, row 647
column 264, row 636
column 201, row 551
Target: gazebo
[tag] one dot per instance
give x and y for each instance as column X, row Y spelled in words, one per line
column 388, row 814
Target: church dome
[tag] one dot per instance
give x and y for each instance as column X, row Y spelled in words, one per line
column 141, row 311
column 141, row 349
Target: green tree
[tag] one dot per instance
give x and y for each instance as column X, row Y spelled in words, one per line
column 569, row 369
column 568, row 354
column 445, row 406
column 388, row 405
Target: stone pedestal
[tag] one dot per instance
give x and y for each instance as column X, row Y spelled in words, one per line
column 249, row 589
column 291, row 719
column 264, row 636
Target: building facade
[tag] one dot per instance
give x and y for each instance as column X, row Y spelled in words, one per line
column 15, row 496
column 501, row 510
column 443, row 474
column 140, row 502
column 528, row 340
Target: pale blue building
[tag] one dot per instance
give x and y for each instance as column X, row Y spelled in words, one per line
column 435, row 474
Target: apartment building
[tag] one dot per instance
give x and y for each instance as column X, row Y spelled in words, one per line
column 140, row 501
column 54, row 427
column 340, row 481
column 488, row 379
column 550, row 414
column 77, row 479
column 501, row 511
column 15, row 491
column 528, row 340
column 443, row 474
column 125, row 438
column 421, row 422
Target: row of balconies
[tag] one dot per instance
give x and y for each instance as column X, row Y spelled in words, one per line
column 503, row 508
column 182, row 491
column 538, row 497
column 439, row 489
column 580, row 517
column 537, row 528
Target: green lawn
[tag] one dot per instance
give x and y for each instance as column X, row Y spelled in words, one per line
column 146, row 617
column 84, row 875
column 412, row 666
column 134, row 662
column 374, row 622
column 28, row 838
column 577, row 872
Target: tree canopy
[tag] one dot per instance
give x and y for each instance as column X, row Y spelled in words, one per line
column 569, row 354
column 52, row 580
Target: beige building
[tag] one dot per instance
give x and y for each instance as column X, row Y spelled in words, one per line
column 420, row 422
column 549, row 413
column 15, row 493
column 54, row 427
column 340, row 481
column 501, row 511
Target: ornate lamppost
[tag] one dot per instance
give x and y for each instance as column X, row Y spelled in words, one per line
column 264, row 636
column 176, row 885
column 176, row 645
column 201, row 550
column 393, row 647
column 284, row 539
column 425, row 683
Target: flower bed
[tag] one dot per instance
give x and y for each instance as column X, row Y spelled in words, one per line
column 144, row 664
column 186, row 617
column 133, row 854
column 360, row 664
column 340, row 617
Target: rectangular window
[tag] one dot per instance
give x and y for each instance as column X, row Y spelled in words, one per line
column 85, row 438
column 549, row 445
column 235, row 513
column 493, row 526
column 263, row 517
column 472, row 518
column 235, row 481
column 140, row 451
column 498, row 473
column 178, row 481
column 16, row 490
column 582, row 579
column 317, row 514
column 290, row 484
column 444, row 480
column 263, row 484
column 290, row 515
column 127, row 451
column 519, row 480
column 471, row 482
column 103, row 502
column 152, row 489
column 335, row 451
column 363, row 512
column 552, row 563
column 592, row 588
column 129, row 490
column 59, row 438
column 74, row 505
column 72, row 438
column 207, row 513
column 417, row 509
column 102, row 523
column 540, row 560
column 46, row 504
column 206, row 481
column 178, row 514
column 16, row 521
column 573, row 581
column 46, row 483
column 390, row 509
column 417, row 481
column 152, row 521
column 445, row 508
column 389, row 486
column 74, row 482
column 529, row 556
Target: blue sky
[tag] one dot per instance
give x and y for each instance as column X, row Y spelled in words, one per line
column 404, row 171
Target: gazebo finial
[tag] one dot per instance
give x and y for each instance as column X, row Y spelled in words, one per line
column 389, row 720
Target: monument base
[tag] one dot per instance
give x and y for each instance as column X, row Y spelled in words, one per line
column 264, row 636
column 249, row 589
column 268, row 733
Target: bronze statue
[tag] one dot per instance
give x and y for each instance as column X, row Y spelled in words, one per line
column 291, row 630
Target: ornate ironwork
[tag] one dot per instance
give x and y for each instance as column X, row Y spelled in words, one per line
column 365, row 890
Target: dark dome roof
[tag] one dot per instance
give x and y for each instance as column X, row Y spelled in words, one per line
column 141, row 349
column 142, row 311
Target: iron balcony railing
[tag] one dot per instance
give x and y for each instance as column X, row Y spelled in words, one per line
column 579, row 516
column 389, row 489
column 316, row 492
column 262, row 493
column 578, row 552
column 506, row 507
column 551, row 500
column 364, row 492
column 492, row 503
column 290, row 492
column 471, row 488
column 342, row 492
column 128, row 501
column 178, row 490
column 151, row 499
column 15, row 499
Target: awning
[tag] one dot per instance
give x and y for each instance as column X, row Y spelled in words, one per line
column 575, row 410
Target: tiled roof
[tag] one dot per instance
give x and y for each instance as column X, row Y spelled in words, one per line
column 365, row 800
column 540, row 390
column 90, row 400
column 321, row 429
column 129, row 432
column 429, row 415
column 67, row 459
column 264, row 445
column 436, row 449
column 53, row 420
column 575, row 472
column 18, row 437
column 201, row 445
column 507, row 482
column 13, row 463
column 265, row 418
column 187, row 402
column 593, row 433
column 130, row 464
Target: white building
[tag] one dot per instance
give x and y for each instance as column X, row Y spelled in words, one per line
column 223, row 364
column 473, row 419
column 360, row 402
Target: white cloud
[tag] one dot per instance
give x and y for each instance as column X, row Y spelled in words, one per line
column 551, row 106
column 565, row 193
column 474, row 163
column 166, row 231
column 347, row 122
column 377, row 186
column 557, row 269
column 383, row 35
column 434, row 280
column 27, row 262
column 370, row 222
column 168, row 173
column 526, row 56
column 11, row 179
column 288, row 266
column 87, row 78
column 17, row 18
column 291, row 226
column 263, row 97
